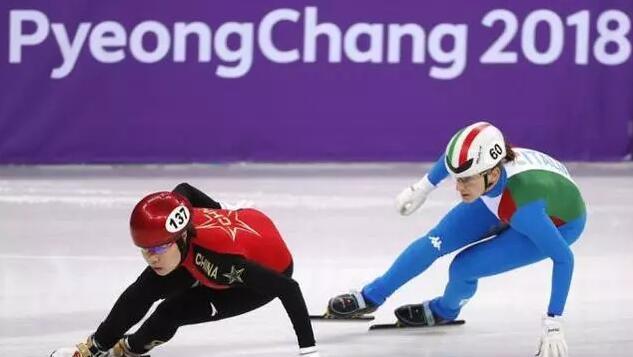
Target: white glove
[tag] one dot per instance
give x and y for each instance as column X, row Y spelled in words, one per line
column 413, row 196
column 552, row 342
column 309, row 352
column 237, row 205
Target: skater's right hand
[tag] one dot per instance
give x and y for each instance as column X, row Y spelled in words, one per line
column 77, row 352
column 65, row 352
column 412, row 197
column 84, row 349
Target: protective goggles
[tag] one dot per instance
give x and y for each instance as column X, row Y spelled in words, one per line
column 159, row 249
column 470, row 179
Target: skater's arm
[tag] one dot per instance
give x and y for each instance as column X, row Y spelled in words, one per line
column 533, row 221
column 136, row 300
column 269, row 282
column 438, row 172
column 197, row 198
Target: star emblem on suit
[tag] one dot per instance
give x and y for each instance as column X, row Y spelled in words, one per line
column 230, row 223
column 234, row 275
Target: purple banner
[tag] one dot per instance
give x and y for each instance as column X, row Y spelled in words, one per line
column 216, row 81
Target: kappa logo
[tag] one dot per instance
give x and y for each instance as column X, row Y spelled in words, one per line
column 436, row 242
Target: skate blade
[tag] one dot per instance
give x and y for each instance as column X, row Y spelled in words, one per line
column 398, row 325
column 330, row 317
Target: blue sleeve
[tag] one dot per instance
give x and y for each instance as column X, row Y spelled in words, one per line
column 532, row 220
column 438, row 172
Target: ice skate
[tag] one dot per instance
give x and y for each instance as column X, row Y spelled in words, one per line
column 416, row 315
column 350, row 306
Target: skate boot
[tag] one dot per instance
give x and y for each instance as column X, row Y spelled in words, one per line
column 418, row 315
column 122, row 349
column 352, row 304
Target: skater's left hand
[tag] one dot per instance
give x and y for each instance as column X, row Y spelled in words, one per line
column 552, row 342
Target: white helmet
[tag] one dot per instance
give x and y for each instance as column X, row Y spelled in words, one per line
column 474, row 149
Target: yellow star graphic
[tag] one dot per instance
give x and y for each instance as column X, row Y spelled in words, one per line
column 230, row 223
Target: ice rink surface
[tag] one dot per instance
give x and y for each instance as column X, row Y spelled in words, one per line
column 66, row 255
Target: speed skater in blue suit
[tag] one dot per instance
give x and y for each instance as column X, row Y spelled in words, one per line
column 519, row 206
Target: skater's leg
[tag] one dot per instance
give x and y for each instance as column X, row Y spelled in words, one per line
column 197, row 305
column 509, row 250
column 464, row 224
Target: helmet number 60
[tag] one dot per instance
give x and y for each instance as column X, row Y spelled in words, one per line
column 495, row 151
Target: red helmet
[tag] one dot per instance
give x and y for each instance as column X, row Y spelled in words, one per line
column 160, row 218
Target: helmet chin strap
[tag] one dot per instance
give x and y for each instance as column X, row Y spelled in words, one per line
column 487, row 183
column 183, row 243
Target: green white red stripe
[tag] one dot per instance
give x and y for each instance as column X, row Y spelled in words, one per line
column 461, row 143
